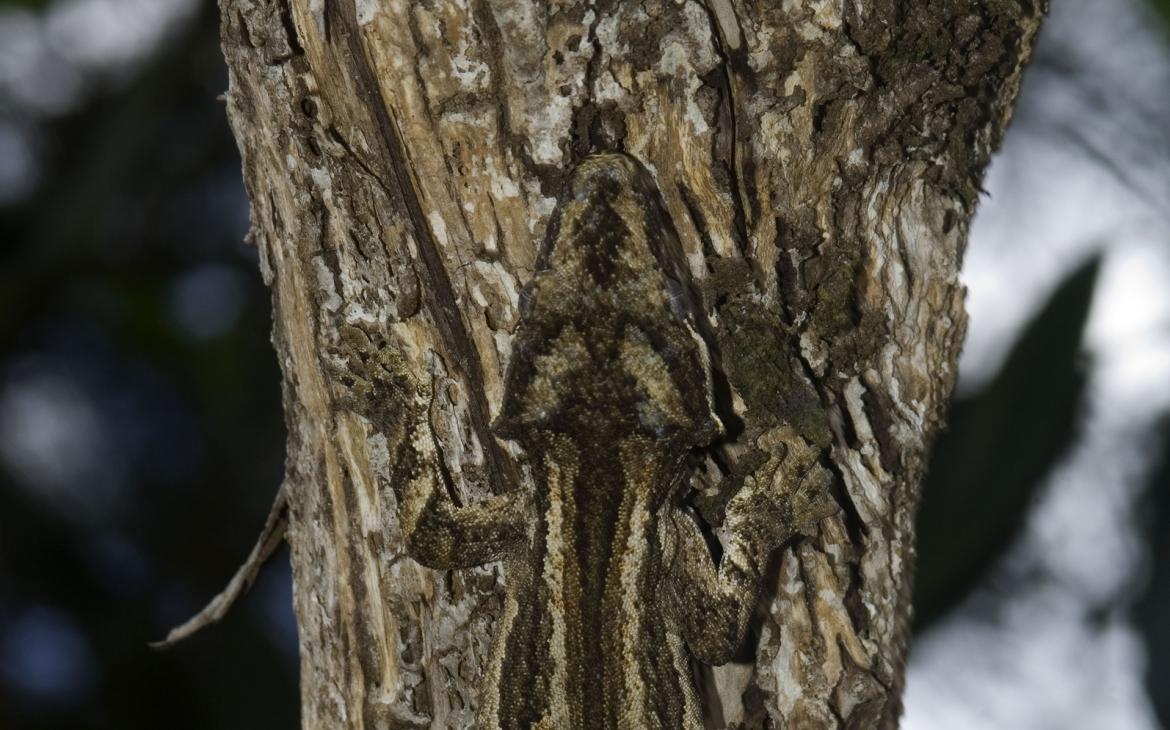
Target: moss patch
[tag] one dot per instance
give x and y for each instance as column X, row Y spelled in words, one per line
column 766, row 375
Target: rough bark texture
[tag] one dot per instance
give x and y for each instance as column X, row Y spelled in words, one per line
column 821, row 161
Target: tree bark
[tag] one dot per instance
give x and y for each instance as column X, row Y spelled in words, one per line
column 821, row 161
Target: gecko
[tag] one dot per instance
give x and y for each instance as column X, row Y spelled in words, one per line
column 611, row 590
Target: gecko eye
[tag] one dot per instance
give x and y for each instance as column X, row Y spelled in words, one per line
column 656, row 421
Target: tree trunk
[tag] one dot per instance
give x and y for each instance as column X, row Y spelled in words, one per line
column 820, row 160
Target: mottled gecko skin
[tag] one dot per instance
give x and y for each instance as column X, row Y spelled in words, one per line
column 611, row 589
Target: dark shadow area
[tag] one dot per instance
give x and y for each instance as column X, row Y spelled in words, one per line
column 141, row 439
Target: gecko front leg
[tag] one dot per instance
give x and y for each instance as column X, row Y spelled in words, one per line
column 439, row 533
column 786, row 496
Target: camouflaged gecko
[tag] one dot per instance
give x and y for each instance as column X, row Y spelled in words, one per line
column 611, row 589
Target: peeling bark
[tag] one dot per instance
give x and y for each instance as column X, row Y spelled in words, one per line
column 821, row 160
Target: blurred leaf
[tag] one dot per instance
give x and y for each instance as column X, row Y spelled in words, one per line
column 986, row 468
column 37, row 4
column 1162, row 7
column 1154, row 605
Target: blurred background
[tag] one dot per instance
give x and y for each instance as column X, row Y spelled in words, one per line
column 141, row 437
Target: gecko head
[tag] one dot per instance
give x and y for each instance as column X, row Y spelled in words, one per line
column 606, row 346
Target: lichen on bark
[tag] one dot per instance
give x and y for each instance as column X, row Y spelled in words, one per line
column 820, row 160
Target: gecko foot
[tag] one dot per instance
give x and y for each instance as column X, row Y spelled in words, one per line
column 789, row 494
column 375, row 378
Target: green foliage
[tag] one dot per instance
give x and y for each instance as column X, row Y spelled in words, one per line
column 1000, row 444
column 30, row 4
column 1162, row 7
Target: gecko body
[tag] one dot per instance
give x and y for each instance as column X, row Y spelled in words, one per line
column 611, row 590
